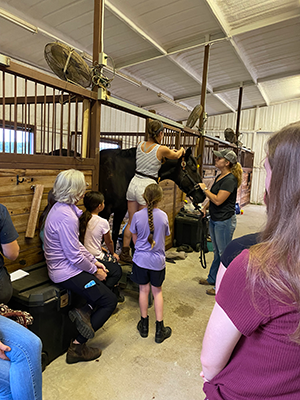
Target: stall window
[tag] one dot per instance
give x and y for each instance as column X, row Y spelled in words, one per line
column 22, row 140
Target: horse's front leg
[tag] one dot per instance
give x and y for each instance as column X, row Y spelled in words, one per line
column 118, row 218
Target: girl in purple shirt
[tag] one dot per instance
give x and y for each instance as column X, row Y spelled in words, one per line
column 149, row 227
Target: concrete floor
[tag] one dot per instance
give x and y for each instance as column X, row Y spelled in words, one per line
column 133, row 368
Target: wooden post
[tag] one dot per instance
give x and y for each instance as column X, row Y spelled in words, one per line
column 237, row 133
column 239, row 112
column 34, row 211
column 203, row 99
column 96, row 106
column 85, row 127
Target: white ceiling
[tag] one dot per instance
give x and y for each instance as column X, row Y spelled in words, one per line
column 160, row 44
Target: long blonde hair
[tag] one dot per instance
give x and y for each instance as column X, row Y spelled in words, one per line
column 152, row 195
column 237, row 170
column 275, row 262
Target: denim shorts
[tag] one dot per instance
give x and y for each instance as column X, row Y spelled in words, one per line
column 142, row 276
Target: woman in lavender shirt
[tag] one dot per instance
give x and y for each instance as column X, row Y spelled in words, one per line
column 73, row 267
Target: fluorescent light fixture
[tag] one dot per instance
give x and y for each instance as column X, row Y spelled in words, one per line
column 171, row 101
column 4, row 60
column 18, row 21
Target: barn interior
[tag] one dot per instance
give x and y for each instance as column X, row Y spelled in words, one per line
column 200, row 67
column 132, row 367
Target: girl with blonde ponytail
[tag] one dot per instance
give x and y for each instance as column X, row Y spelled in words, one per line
column 149, row 227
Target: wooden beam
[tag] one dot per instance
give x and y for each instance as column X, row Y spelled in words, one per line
column 239, row 112
column 96, row 105
column 40, row 99
column 204, row 83
column 34, row 211
column 203, row 100
column 85, row 126
column 44, row 79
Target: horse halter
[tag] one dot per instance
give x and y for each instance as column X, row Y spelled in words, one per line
column 196, row 185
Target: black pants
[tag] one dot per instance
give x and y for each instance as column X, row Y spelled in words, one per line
column 114, row 274
column 6, row 289
column 97, row 294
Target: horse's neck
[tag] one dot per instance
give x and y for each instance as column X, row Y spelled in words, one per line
column 168, row 170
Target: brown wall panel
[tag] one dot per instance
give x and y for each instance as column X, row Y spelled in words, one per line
column 18, row 199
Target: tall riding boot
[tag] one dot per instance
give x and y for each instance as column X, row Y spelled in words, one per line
column 125, row 255
column 162, row 332
column 81, row 352
column 143, row 326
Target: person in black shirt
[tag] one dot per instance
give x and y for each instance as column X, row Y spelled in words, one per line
column 233, row 250
column 222, row 199
column 10, row 249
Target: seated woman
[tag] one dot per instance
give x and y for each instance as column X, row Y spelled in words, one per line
column 73, row 267
column 10, row 248
column 20, row 362
column 20, row 349
column 92, row 229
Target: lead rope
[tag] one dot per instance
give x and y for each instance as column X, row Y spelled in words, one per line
column 202, row 221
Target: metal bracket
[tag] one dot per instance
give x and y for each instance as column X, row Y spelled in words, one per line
column 19, row 181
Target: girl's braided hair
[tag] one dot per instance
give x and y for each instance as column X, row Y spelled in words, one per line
column 152, row 195
column 91, row 201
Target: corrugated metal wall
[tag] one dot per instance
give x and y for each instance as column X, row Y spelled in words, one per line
column 113, row 120
column 256, row 126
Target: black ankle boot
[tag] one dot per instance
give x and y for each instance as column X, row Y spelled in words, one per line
column 162, row 332
column 143, row 326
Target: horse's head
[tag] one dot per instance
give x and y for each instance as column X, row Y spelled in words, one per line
column 188, row 177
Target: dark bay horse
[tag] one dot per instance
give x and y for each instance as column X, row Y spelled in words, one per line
column 117, row 167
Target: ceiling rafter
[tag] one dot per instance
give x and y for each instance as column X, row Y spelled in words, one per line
column 213, row 39
column 218, row 15
column 133, row 26
column 164, row 52
column 281, row 75
column 261, row 24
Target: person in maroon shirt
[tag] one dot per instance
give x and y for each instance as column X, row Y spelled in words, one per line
column 251, row 347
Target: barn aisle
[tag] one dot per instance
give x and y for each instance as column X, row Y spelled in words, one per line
column 133, row 368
